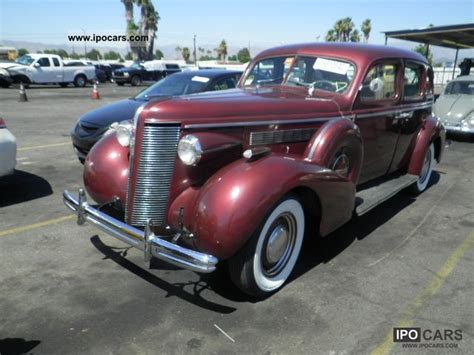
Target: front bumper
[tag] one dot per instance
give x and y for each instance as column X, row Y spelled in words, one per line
column 150, row 243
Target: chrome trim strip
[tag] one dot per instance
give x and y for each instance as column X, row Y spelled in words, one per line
column 148, row 242
column 398, row 109
column 281, row 136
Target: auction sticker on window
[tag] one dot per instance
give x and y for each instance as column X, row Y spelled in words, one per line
column 201, row 79
column 333, row 66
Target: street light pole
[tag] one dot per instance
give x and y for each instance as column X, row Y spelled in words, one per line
column 85, row 44
column 194, row 51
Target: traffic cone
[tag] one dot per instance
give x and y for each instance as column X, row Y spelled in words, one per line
column 23, row 97
column 95, row 93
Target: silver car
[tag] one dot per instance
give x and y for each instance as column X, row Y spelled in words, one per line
column 455, row 106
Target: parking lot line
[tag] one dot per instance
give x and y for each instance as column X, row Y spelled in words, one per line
column 433, row 287
column 35, row 225
column 43, row 146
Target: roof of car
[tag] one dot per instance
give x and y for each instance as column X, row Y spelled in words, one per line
column 464, row 78
column 208, row 73
column 357, row 52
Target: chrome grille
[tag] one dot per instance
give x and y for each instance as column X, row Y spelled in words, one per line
column 155, row 166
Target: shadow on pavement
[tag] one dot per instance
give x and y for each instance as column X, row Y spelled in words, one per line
column 14, row 346
column 21, row 187
column 176, row 289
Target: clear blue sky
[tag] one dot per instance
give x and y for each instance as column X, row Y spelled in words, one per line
column 263, row 23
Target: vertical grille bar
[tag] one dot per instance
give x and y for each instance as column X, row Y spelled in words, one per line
column 155, row 165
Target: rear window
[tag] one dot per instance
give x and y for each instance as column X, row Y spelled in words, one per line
column 172, row 66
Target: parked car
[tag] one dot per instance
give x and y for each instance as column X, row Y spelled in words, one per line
column 5, row 78
column 314, row 134
column 455, row 106
column 103, row 72
column 138, row 73
column 93, row 125
column 7, row 150
column 48, row 69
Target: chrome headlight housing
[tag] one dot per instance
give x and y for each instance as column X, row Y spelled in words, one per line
column 189, row 150
column 126, row 74
column 124, row 133
column 468, row 121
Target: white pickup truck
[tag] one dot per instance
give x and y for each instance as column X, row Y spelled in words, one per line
column 48, row 69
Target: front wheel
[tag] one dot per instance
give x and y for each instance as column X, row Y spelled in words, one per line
column 136, row 80
column 422, row 183
column 263, row 265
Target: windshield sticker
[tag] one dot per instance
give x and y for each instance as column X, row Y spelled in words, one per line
column 201, row 79
column 332, row 66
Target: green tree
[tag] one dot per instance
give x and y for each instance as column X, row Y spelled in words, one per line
column 425, row 51
column 159, row 54
column 186, row 53
column 94, row 54
column 222, row 50
column 243, row 56
column 232, row 58
column 366, row 27
column 22, row 51
column 343, row 31
column 74, row 55
column 112, row 55
column 129, row 56
column 178, row 51
column 62, row 53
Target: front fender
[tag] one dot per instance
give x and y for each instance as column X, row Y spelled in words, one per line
column 232, row 204
column 431, row 130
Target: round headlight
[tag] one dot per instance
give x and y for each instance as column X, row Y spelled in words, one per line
column 124, row 133
column 189, row 150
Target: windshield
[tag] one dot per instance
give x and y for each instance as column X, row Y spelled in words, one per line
column 25, row 60
column 460, row 87
column 136, row 66
column 320, row 73
column 172, row 85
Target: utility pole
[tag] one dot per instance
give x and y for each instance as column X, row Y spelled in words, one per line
column 194, row 51
column 85, row 45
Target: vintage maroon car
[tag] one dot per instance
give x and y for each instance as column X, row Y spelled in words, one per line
column 313, row 134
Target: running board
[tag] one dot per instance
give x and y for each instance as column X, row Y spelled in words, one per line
column 375, row 195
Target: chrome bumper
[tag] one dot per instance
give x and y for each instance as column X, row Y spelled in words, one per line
column 150, row 243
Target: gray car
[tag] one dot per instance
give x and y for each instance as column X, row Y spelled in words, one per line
column 455, row 106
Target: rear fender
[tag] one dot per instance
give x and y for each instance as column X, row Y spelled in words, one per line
column 429, row 133
column 232, row 204
column 333, row 137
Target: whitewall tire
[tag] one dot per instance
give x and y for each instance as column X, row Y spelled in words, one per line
column 267, row 260
column 428, row 163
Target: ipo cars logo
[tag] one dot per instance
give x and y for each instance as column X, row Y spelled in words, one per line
column 427, row 337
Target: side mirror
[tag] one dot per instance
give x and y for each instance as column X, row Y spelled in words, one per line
column 36, row 65
column 376, row 85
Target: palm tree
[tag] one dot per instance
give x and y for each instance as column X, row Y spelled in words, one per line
column 331, row 36
column 186, row 54
column 178, row 51
column 222, row 50
column 343, row 31
column 366, row 27
column 355, row 36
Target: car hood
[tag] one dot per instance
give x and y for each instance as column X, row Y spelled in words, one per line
column 106, row 115
column 241, row 105
column 12, row 66
column 453, row 108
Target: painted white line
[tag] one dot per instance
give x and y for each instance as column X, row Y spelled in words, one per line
column 227, row 335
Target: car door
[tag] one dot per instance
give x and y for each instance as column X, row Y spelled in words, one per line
column 43, row 72
column 417, row 94
column 374, row 110
column 57, row 70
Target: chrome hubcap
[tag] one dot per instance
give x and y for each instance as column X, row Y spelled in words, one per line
column 341, row 165
column 279, row 244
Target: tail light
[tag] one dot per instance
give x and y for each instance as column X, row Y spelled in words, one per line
column 3, row 124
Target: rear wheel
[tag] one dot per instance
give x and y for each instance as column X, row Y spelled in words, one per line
column 136, row 80
column 426, row 171
column 263, row 265
column 80, row 81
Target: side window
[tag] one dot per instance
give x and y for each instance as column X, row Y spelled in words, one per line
column 56, row 62
column 43, row 62
column 379, row 83
column 412, row 79
column 224, row 84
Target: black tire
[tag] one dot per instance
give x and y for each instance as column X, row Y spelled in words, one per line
column 136, row 80
column 426, row 172
column 80, row 81
column 120, row 84
column 267, row 260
